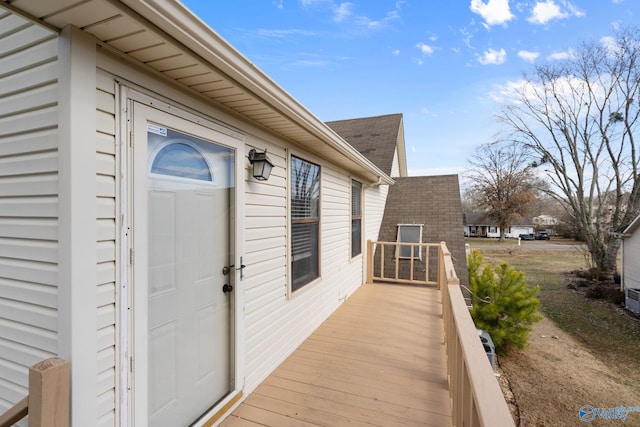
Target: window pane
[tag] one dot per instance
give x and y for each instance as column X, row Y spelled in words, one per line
column 305, row 189
column 181, row 160
column 356, row 218
column 304, row 263
column 411, row 233
column 356, row 237
column 305, row 220
column 356, row 195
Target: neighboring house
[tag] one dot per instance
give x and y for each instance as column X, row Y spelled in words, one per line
column 125, row 128
column 430, row 203
column 479, row 224
column 630, row 283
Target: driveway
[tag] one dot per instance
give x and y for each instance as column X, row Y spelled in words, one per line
column 560, row 244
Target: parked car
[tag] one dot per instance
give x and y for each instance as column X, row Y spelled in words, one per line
column 527, row 236
column 542, row 235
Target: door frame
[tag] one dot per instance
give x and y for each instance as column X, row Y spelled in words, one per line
column 138, row 107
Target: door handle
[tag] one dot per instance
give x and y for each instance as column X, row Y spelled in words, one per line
column 227, row 288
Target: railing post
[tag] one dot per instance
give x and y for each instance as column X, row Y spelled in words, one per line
column 49, row 393
column 369, row 262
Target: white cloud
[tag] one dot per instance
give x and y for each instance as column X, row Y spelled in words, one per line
column 528, row 55
column 610, row 44
column 466, row 37
column 492, row 56
column 374, row 24
column 548, row 10
column 545, row 12
column 342, row 12
column 494, row 12
column 307, row 3
column 395, row 52
column 425, row 48
column 559, row 56
column 508, row 91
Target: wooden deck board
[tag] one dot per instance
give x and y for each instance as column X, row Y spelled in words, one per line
column 379, row 360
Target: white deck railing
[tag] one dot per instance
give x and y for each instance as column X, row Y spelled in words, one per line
column 476, row 397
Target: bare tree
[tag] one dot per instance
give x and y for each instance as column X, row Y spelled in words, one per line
column 503, row 184
column 580, row 117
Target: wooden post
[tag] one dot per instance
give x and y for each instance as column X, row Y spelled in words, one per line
column 49, row 393
column 369, row 263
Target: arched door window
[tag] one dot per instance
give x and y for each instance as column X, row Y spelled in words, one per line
column 181, row 160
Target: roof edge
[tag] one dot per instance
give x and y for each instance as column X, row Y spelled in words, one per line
column 191, row 31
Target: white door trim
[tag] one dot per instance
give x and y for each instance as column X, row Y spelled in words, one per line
column 129, row 393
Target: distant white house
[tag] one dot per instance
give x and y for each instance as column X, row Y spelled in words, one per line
column 478, row 224
column 630, row 282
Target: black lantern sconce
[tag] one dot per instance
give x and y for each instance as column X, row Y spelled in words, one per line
column 261, row 164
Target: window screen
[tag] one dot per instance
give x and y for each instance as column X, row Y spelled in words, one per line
column 356, row 218
column 410, row 233
column 305, row 222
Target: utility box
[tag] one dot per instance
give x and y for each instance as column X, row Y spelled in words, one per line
column 632, row 300
column 489, row 347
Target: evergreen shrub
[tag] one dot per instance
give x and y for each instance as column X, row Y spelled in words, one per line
column 502, row 303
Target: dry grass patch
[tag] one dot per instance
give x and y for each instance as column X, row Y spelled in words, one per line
column 588, row 354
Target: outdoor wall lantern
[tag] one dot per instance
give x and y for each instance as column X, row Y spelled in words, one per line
column 261, row 164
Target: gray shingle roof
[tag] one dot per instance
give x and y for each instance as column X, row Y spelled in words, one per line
column 376, row 138
column 435, row 202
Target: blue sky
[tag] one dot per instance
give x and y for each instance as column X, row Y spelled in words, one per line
column 441, row 63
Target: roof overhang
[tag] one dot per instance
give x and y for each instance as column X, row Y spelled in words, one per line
column 167, row 37
column 628, row 232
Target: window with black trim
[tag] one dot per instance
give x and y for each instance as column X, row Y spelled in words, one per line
column 410, row 233
column 305, row 222
column 356, row 218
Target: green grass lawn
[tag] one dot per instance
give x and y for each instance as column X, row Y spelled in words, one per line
column 607, row 331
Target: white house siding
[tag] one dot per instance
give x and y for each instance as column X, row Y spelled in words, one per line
column 631, row 266
column 395, row 166
column 375, row 199
column 517, row 230
column 28, row 202
column 276, row 324
column 106, row 247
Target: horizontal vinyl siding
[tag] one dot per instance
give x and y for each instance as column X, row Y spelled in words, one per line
column 265, row 256
column 375, row 200
column 275, row 324
column 28, row 202
column 395, row 166
column 106, row 248
column 630, row 262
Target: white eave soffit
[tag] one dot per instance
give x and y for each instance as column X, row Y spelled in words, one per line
column 184, row 32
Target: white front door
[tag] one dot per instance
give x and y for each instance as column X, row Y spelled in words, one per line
column 183, row 223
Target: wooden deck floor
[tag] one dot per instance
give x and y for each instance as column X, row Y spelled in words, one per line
column 379, row 360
